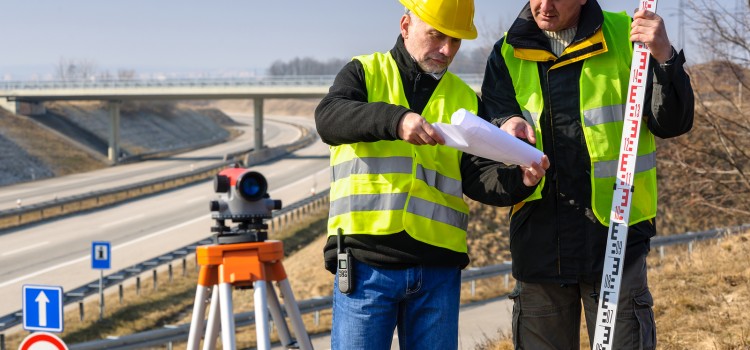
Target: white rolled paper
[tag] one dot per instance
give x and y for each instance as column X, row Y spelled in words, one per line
column 472, row 134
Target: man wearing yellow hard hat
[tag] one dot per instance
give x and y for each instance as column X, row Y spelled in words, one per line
column 397, row 221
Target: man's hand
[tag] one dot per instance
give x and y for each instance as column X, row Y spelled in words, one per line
column 532, row 175
column 648, row 28
column 519, row 128
column 414, row 129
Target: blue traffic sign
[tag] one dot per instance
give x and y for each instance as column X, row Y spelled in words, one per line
column 101, row 255
column 42, row 308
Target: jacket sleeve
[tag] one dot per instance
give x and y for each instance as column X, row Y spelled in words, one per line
column 498, row 94
column 494, row 183
column 484, row 180
column 345, row 116
column 671, row 104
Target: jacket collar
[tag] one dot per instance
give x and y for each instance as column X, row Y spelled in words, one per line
column 525, row 34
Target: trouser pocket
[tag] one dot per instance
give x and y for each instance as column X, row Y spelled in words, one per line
column 514, row 295
column 643, row 303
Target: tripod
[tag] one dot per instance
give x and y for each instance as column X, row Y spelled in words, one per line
column 254, row 264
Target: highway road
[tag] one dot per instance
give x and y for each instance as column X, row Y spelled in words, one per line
column 60, row 187
column 58, row 252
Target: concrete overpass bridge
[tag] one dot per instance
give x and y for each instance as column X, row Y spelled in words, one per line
column 28, row 97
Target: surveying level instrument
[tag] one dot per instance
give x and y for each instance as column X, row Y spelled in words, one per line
column 241, row 257
column 614, row 258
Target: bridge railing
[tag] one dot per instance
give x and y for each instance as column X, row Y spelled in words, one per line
column 285, row 80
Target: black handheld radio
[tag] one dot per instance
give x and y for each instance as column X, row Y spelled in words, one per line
column 344, row 265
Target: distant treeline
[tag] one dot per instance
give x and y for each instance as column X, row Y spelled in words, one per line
column 470, row 61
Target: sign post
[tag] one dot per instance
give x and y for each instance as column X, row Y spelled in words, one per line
column 101, row 259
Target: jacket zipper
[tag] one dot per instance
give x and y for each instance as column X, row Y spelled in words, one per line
column 416, row 81
column 557, row 184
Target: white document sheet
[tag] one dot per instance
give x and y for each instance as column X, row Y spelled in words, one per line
column 472, row 134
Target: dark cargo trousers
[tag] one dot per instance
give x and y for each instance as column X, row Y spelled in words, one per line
column 548, row 316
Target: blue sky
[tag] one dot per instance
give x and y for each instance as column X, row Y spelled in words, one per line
column 222, row 35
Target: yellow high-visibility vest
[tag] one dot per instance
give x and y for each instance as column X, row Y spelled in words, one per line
column 385, row 187
column 602, row 100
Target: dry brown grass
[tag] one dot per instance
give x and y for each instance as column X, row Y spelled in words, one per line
column 52, row 149
column 702, row 297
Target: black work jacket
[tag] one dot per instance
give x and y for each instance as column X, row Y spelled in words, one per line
column 345, row 116
column 557, row 238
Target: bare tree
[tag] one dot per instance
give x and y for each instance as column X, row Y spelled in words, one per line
column 306, row 66
column 705, row 176
column 126, row 74
column 72, row 69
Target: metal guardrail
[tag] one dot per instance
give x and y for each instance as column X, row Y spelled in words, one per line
column 68, row 205
column 177, row 333
column 116, row 278
column 28, row 214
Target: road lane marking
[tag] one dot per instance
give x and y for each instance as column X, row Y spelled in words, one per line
column 305, row 179
column 88, row 256
column 128, row 219
column 24, row 249
column 196, row 199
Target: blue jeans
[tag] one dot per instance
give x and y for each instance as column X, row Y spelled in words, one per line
column 421, row 301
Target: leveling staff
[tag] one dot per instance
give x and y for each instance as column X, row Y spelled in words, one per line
column 396, row 192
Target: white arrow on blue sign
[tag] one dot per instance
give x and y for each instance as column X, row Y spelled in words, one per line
column 101, row 255
column 42, row 308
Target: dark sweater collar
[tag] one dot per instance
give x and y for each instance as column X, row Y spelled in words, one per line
column 524, row 33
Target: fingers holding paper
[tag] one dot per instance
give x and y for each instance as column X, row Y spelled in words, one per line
column 414, row 129
column 520, row 128
column 533, row 174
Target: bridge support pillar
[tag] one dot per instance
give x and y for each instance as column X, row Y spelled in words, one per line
column 113, row 151
column 258, row 122
column 10, row 106
column 23, row 108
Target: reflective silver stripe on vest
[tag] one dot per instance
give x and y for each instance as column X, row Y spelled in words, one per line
column 437, row 212
column 441, row 182
column 603, row 115
column 388, row 165
column 532, row 118
column 609, row 168
column 368, row 202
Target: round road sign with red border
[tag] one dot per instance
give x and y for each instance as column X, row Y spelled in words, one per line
column 42, row 341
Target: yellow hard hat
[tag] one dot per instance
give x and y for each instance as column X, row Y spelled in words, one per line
column 451, row 17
